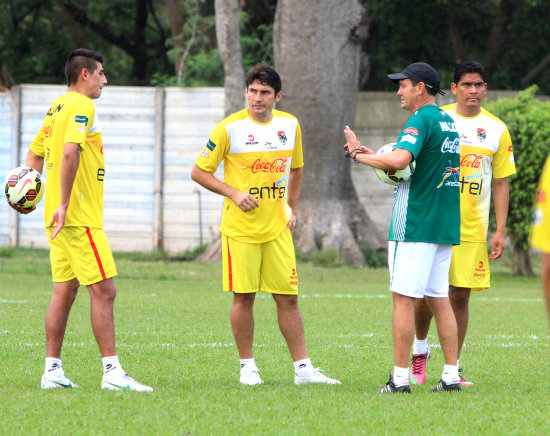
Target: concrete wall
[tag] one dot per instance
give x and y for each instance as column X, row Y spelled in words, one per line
column 151, row 138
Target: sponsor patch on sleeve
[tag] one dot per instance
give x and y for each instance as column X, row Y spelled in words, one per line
column 81, row 122
column 210, row 145
column 411, row 130
column 204, row 153
column 408, row 138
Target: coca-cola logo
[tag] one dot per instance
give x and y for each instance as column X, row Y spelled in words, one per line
column 266, row 166
column 471, row 160
column 450, row 146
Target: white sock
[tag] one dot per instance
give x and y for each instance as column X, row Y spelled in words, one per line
column 457, row 363
column 111, row 363
column 420, row 346
column 52, row 364
column 400, row 376
column 450, row 374
column 248, row 364
column 303, row 367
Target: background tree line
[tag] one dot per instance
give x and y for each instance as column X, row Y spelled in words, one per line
column 171, row 42
column 325, row 51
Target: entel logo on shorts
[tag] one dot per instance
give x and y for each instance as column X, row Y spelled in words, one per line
column 480, row 270
column 293, row 278
column 266, row 166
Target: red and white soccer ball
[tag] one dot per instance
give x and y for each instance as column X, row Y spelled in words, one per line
column 23, row 186
column 394, row 177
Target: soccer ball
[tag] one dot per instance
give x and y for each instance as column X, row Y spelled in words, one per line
column 394, row 177
column 23, row 186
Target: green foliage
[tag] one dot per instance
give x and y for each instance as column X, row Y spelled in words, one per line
column 373, row 258
column 401, row 32
column 329, row 258
column 528, row 121
column 256, row 42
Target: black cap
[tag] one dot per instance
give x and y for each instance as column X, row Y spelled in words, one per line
column 420, row 72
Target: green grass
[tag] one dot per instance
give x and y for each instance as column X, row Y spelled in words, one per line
column 173, row 333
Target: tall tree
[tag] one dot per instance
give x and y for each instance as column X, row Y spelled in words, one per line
column 134, row 39
column 317, row 52
column 229, row 45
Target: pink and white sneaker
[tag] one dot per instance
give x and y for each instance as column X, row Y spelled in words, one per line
column 417, row 373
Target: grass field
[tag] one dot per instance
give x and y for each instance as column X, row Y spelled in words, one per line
column 173, row 333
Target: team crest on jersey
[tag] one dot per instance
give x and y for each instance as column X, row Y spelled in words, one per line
column 282, row 136
column 450, row 172
column 481, row 134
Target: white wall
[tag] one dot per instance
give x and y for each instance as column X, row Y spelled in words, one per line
column 151, row 138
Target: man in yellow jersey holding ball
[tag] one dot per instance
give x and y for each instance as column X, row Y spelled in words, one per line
column 486, row 160
column 70, row 144
column 261, row 149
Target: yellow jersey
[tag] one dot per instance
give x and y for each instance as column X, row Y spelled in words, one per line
column 257, row 158
column 71, row 118
column 485, row 153
column 540, row 235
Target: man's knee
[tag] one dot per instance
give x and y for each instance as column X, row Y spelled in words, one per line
column 244, row 300
column 104, row 290
column 459, row 296
column 286, row 301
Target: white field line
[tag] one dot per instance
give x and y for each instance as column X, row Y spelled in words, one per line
column 491, row 341
column 388, row 295
column 13, row 301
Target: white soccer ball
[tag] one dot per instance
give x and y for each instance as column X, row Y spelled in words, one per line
column 23, row 186
column 394, row 177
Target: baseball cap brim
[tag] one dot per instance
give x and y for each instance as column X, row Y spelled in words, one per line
column 397, row 77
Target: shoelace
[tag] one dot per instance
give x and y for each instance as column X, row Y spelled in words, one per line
column 417, row 363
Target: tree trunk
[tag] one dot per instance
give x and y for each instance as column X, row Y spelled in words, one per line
column 229, row 44
column 455, row 31
column 497, row 43
column 317, row 52
column 521, row 260
column 176, row 27
column 139, row 68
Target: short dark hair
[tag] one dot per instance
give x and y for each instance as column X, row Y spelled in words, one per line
column 266, row 75
column 79, row 59
column 429, row 90
column 469, row 67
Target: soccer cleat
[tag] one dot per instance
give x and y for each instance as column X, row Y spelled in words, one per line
column 390, row 387
column 314, row 376
column 442, row 386
column 120, row 381
column 417, row 373
column 56, row 380
column 463, row 382
column 251, row 377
